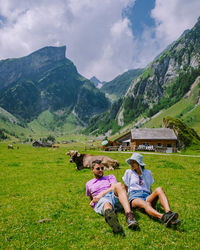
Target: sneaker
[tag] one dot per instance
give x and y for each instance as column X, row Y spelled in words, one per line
column 175, row 222
column 169, row 217
column 131, row 221
column 111, row 219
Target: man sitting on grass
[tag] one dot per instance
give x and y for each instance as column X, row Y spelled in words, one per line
column 107, row 195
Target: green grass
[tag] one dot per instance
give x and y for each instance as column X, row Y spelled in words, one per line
column 40, row 183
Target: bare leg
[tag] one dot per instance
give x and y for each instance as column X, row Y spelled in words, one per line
column 120, row 191
column 107, row 205
column 147, row 207
column 158, row 192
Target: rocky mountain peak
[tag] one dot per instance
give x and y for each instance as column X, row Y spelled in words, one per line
column 97, row 83
column 49, row 53
column 12, row 70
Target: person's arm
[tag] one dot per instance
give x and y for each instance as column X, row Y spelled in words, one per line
column 88, row 193
column 151, row 180
column 126, row 180
column 99, row 196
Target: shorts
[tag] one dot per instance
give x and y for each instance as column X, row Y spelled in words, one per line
column 112, row 199
column 138, row 194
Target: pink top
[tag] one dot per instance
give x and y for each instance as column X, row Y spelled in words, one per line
column 96, row 186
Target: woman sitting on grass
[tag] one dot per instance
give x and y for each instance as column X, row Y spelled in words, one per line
column 138, row 182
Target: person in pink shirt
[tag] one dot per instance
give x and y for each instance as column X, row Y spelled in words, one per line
column 107, row 196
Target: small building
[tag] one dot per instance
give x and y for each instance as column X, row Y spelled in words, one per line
column 39, row 143
column 124, row 142
column 154, row 139
column 149, row 139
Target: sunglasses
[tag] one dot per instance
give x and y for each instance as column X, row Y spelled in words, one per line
column 102, row 168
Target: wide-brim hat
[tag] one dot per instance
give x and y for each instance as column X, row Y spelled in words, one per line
column 137, row 157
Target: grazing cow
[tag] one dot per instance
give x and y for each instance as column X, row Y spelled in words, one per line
column 10, row 147
column 85, row 160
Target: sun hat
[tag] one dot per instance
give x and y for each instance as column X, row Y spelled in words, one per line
column 137, row 157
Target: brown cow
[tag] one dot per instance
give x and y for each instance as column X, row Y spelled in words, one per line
column 10, row 146
column 85, row 160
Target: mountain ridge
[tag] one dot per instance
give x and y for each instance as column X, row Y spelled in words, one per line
column 163, row 83
column 46, row 80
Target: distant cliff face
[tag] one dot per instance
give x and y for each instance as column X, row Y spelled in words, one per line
column 121, row 83
column 165, row 76
column 163, row 83
column 43, row 80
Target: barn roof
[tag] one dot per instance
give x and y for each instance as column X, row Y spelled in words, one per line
column 153, row 134
column 123, row 137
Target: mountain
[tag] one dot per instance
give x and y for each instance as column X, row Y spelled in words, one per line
column 97, row 83
column 187, row 109
column 31, row 66
column 118, row 86
column 166, row 80
column 47, row 80
column 163, row 83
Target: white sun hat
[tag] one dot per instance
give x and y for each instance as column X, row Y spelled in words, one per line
column 137, row 157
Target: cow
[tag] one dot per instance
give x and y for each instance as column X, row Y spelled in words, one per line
column 85, row 160
column 10, row 147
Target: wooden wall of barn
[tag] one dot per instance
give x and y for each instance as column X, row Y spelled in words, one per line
column 161, row 143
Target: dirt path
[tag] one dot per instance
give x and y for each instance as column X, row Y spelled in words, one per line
column 151, row 153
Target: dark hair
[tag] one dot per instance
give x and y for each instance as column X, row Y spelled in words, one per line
column 96, row 162
column 142, row 167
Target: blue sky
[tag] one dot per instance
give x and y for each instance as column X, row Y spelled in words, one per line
column 103, row 38
column 140, row 16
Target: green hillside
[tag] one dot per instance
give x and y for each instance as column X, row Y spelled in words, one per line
column 118, row 86
column 55, row 124
column 47, row 123
column 11, row 127
column 187, row 109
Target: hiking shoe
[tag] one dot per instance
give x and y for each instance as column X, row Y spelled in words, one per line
column 131, row 221
column 175, row 222
column 169, row 217
column 111, row 219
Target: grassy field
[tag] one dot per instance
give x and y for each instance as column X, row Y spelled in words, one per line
column 40, row 183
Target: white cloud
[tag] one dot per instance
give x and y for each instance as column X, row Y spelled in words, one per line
column 99, row 40
column 173, row 17
column 88, row 28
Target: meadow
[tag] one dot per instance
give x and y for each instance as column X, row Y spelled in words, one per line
column 40, row 184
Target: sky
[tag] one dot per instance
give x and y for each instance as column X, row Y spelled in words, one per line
column 104, row 38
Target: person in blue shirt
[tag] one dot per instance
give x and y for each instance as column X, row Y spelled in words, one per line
column 138, row 181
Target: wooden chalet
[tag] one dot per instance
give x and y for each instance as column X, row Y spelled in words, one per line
column 154, row 139
column 149, row 139
column 39, row 143
column 124, row 142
